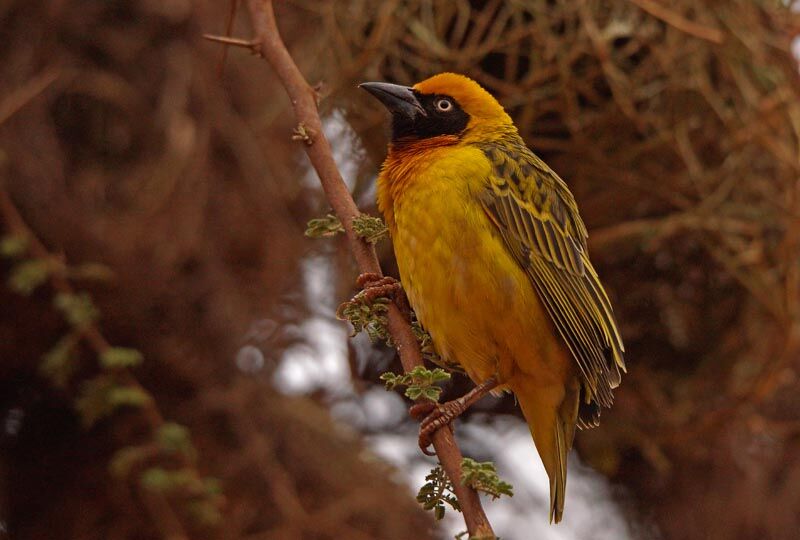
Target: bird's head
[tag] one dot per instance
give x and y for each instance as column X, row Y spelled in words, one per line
column 449, row 106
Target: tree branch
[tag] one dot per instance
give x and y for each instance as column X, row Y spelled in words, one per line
column 156, row 503
column 304, row 101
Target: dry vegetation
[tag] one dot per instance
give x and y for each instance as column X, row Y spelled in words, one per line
column 677, row 128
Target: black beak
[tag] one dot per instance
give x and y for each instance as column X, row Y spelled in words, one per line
column 396, row 98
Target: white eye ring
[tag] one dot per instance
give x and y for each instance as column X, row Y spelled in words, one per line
column 444, row 105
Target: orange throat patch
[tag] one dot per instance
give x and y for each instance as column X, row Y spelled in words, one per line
column 406, row 162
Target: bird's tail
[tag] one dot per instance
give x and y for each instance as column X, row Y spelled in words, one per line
column 551, row 415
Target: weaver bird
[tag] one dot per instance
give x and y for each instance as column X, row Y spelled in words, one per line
column 493, row 258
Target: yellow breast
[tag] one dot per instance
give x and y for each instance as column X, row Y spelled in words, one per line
column 467, row 290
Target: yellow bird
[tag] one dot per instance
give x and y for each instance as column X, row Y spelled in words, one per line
column 493, row 258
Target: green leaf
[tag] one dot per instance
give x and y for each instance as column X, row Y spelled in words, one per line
column 125, row 458
column 78, row 309
column 420, row 382
column 120, row 357
column 369, row 317
column 212, row 485
column 324, row 227
column 13, row 246
column 205, row 512
column 414, row 392
column 389, row 379
column 92, row 401
column 175, row 439
column 482, row 476
column 436, row 492
column 370, row 228
column 101, row 396
column 59, row 363
column 155, row 478
column 128, row 396
column 160, row 479
column 432, row 393
column 27, row 276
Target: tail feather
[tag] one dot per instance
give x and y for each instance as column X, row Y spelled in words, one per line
column 551, row 414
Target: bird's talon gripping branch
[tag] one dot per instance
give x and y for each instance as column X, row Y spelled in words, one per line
column 420, row 410
column 377, row 286
column 442, row 415
column 438, row 415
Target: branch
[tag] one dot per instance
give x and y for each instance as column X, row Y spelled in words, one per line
column 714, row 35
column 156, row 503
column 269, row 44
column 22, row 95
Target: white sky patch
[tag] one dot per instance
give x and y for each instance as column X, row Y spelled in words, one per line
column 320, row 363
column 347, row 150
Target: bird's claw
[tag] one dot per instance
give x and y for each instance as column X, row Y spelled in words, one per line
column 376, row 286
column 434, row 416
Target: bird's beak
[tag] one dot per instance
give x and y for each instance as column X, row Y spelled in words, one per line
column 396, row 98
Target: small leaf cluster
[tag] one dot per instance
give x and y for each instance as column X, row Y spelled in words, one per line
column 367, row 316
column 436, row 492
column 60, row 363
column 120, row 357
column 324, row 227
column 102, row 395
column 113, row 388
column 13, row 246
column 171, row 439
column 420, row 382
column 77, row 308
column 203, row 495
column 27, row 276
column 482, row 476
column 370, row 228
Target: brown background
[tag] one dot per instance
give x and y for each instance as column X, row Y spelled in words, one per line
column 677, row 129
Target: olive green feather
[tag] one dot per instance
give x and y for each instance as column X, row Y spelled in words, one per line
column 538, row 219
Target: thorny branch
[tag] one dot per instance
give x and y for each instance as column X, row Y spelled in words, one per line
column 268, row 43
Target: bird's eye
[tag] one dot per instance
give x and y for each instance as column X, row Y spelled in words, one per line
column 444, row 105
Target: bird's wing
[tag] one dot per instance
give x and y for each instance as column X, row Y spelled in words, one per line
column 538, row 219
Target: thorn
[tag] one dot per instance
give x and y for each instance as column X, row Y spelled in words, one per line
column 303, row 133
column 318, row 91
column 253, row 45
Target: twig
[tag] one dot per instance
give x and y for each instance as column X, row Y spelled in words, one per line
column 679, row 22
column 304, row 101
column 22, row 95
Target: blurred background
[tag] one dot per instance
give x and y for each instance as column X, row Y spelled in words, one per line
column 170, row 362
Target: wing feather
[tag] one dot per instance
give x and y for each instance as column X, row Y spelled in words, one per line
column 538, row 220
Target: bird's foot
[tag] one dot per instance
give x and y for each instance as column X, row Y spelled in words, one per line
column 375, row 286
column 435, row 416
